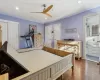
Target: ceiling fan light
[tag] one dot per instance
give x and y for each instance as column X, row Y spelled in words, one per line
column 79, row 2
column 45, row 18
column 17, row 8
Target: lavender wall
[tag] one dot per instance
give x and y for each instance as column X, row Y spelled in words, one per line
column 75, row 21
column 24, row 27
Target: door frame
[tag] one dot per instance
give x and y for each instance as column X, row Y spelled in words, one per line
column 55, row 26
column 45, row 41
column 2, row 20
column 84, row 29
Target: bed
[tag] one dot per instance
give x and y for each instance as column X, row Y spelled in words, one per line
column 71, row 46
column 42, row 65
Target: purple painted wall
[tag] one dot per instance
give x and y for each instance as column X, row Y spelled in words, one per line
column 75, row 21
column 24, row 27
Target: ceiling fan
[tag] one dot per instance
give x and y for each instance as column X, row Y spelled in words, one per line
column 45, row 10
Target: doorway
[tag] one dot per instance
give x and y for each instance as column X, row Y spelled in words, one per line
column 57, row 34
column 52, row 34
column 9, row 32
column 92, row 37
column 48, row 35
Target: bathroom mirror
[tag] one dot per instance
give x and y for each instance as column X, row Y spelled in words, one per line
column 92, row 26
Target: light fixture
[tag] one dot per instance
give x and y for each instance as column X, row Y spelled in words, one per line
column 79, row 2
column 45, row 18
column 17, row 8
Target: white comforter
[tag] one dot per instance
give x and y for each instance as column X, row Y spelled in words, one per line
column 34, row 60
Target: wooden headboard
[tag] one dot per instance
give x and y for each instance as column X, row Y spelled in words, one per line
column 56, row 51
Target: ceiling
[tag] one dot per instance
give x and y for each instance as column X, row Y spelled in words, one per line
column 61, row 8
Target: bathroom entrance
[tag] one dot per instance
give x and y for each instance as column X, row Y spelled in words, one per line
column 92, row 37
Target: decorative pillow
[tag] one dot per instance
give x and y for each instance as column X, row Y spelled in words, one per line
column 27, row 50
column 0, row 44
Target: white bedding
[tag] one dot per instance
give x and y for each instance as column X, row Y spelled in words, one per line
column 34, row 60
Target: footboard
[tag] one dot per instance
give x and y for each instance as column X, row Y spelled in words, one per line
column 60, row 67
column 53, row 71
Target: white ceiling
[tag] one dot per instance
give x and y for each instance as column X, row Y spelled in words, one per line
column 61, row 8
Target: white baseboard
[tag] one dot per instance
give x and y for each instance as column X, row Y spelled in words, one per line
column 92, row 60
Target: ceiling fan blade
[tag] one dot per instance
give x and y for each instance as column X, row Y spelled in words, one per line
column 48, row 14
column 36, row 12
column 46, row 10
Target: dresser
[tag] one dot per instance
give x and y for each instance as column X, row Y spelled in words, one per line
column 38, row 40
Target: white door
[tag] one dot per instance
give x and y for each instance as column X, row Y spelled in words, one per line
column 48, row 35
column 57, row 33
column 4, row 31
column 13, row 34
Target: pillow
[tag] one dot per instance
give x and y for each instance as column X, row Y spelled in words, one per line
column 27, row 50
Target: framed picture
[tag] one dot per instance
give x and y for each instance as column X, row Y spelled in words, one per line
column 32, row 28
column 73, row 30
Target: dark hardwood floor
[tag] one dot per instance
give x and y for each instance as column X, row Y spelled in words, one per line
column 83, row 70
